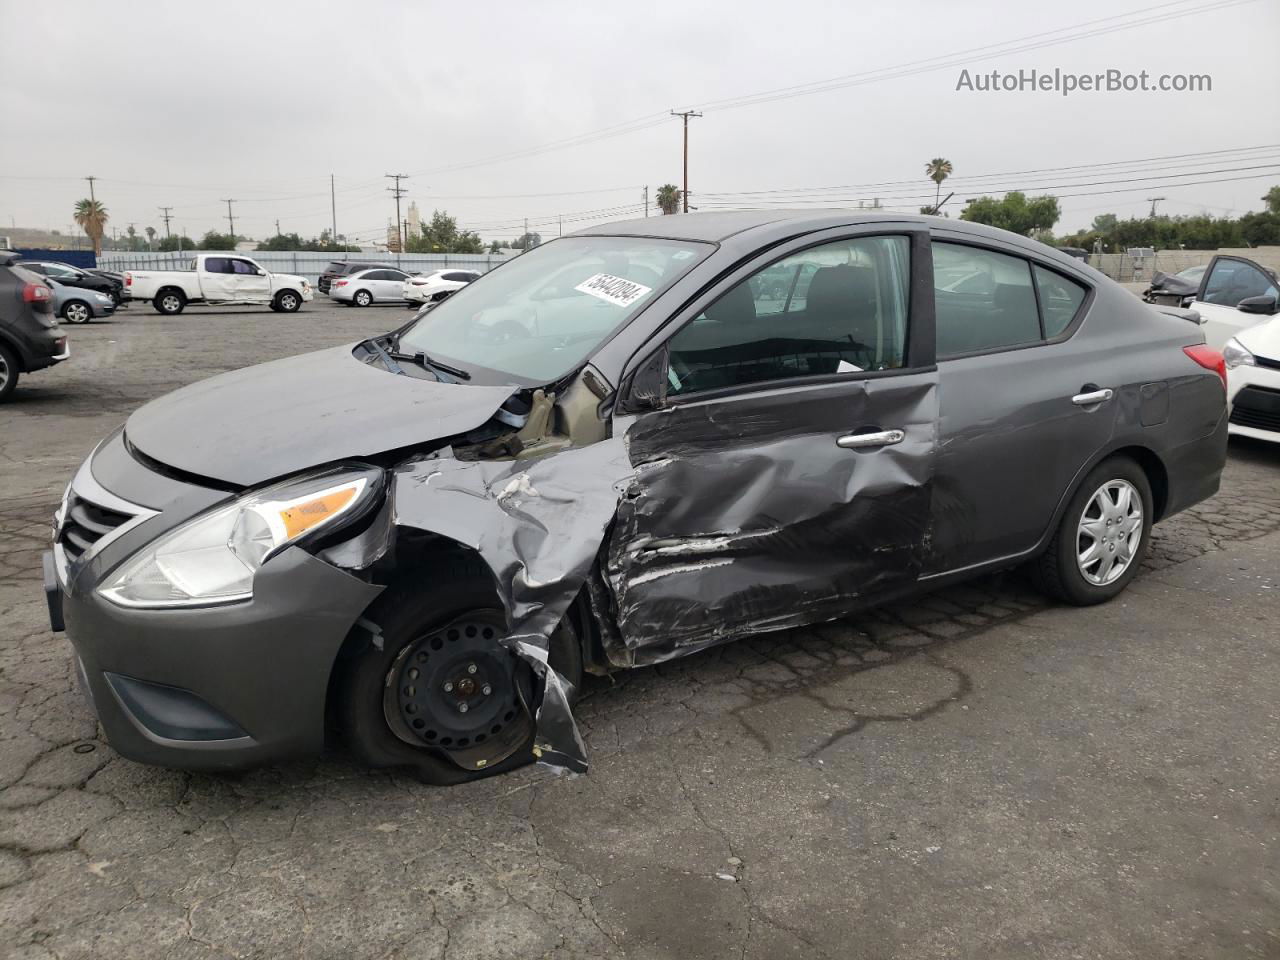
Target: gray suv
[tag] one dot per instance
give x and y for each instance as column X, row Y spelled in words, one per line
column 30, row 338
column 621, row 447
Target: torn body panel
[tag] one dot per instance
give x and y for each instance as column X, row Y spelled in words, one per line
column 744, row 514
column 538, row 525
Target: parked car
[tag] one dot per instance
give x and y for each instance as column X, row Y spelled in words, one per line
column 75, row 277
column 114, row 277
column 1234, row 294
column 30, row 338
column 218, row 278
column 365, row 287
column 617, row 449
column 437, row 285
column 343, row 268
column 1174, row 290
column 1253, row 381
column 78, row 305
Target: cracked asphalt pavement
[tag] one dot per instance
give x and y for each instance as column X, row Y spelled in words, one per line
column 976, row 773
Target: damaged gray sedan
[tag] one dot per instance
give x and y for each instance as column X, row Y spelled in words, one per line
column 624, row 446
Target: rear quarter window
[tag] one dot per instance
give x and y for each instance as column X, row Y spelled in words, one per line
column 1060, row 300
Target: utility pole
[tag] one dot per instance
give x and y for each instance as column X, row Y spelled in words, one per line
column 92, row 198
column 166, row 216
column 333, row 209
column 560, row 221
column 277, row 226
column 1154, row 201
column 231, row 220
column 525, row 239
column 646, row 201
column 398, row 192
column 685, row 115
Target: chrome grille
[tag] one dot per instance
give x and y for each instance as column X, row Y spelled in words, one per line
column 85, row 523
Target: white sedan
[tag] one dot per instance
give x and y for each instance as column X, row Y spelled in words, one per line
column 375, row 285
column 1253, row 381
column 436, row 285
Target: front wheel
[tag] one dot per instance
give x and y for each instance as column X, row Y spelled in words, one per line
column 443, row 698
column 1102, row 538
column 76, row 311
column 287, row 301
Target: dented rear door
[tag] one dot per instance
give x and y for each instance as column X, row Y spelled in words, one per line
column 757, row 505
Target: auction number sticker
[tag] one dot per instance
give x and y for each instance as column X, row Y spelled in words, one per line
column 616, row 290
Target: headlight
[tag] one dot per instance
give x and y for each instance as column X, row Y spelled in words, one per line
column 1236, row 355
column 213, row 558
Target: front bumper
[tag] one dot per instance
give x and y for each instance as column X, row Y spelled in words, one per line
column 1253, row 396
column 209, row 688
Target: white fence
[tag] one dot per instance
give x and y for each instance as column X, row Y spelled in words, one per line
column 305, row 263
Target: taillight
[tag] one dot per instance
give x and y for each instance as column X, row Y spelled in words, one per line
column 35, row 293
column 1210, row 359
column 128, row 279
column 339, row 283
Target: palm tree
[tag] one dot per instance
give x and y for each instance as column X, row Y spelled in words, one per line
column 92, row 217
column 669, row 198
column 151, row 236
column 937, row 170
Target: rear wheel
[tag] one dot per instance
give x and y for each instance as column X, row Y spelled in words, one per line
column 444, row 698
column 8, row 372
column 76, row 311
column 1102, row 538
column 362, row 298
column 169, row 302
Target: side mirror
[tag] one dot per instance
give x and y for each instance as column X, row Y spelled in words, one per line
column 1265, row 305
column 648, row 387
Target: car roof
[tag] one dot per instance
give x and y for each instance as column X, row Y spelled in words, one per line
column 722, row 225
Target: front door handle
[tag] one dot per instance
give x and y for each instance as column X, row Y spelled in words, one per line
column 1092, row 397
column 882, row 438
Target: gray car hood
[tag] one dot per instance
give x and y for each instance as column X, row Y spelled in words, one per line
column 277, row 418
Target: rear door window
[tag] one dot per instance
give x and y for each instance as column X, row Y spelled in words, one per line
column 217, row 265
column 983, row 300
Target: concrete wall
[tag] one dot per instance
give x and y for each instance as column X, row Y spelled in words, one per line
column 1120, row 266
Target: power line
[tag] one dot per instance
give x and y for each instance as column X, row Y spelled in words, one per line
column 911, row 68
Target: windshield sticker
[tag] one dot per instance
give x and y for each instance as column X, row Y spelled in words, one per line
column 616, row 290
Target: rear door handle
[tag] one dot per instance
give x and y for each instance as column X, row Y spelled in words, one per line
column 882, row 438
column 1092, row 397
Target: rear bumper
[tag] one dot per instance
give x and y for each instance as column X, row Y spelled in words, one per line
column 1195, row 469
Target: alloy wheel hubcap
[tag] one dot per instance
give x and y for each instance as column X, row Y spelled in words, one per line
column 4, row 373
column 457, row 690
column 169, row 303
column 288, row 302
column 1109, row 532
column 77, row 313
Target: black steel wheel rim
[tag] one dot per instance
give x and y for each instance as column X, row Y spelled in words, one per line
column 456, row 690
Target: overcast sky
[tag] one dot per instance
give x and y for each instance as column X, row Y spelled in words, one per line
column 184, row 104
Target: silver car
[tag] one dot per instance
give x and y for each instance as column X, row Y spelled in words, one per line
column 78, row 305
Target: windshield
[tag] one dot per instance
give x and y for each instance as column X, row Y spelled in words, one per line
column 1191, row 273
column 543, row 313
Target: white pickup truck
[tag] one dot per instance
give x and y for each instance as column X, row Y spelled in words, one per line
column 217, row 278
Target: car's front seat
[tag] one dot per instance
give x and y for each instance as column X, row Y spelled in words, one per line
column 840, row 310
